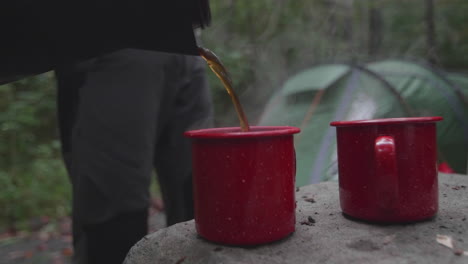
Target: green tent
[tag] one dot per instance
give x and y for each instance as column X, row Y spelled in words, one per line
column 460, row 82
column 313, row 98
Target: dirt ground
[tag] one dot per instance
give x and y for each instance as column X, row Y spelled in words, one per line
column 50, row 242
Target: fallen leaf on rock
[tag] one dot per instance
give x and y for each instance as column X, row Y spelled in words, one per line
column 445, row 241
column 448, row 242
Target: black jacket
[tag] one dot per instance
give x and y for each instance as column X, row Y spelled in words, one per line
column 38, row 35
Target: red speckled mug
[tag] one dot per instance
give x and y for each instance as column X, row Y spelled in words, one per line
column 388, row 168
column 244, row 184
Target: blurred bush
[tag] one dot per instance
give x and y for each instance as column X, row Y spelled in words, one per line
column 32, row 178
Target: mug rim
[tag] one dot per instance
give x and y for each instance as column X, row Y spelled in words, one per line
column 235, row 132
column 387, row 121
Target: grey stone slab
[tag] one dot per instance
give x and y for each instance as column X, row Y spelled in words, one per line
column 332, row 239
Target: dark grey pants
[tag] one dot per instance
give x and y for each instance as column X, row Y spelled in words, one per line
column 122, row 115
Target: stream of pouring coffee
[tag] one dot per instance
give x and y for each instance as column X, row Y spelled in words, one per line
column 218, row 68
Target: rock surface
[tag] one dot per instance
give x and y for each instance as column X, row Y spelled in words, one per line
column 331, row 239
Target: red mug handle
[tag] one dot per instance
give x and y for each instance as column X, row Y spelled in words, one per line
column 386, row 172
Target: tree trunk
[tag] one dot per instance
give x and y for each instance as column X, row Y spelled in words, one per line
column 375, row 29
column 430, row 32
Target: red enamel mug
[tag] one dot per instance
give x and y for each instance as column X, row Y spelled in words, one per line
column 243, row 182
column 388, row 168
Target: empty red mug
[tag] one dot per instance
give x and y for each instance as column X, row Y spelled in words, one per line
column 388, row 168
column 244, row 184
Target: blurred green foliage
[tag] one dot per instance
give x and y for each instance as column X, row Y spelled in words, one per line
column 32, row 178
column 453, row 34
column 262, row 43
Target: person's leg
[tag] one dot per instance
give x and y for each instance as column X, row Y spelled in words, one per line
column 69, row 80
column 111, row 153
column 110, row 241
column 190, row 109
